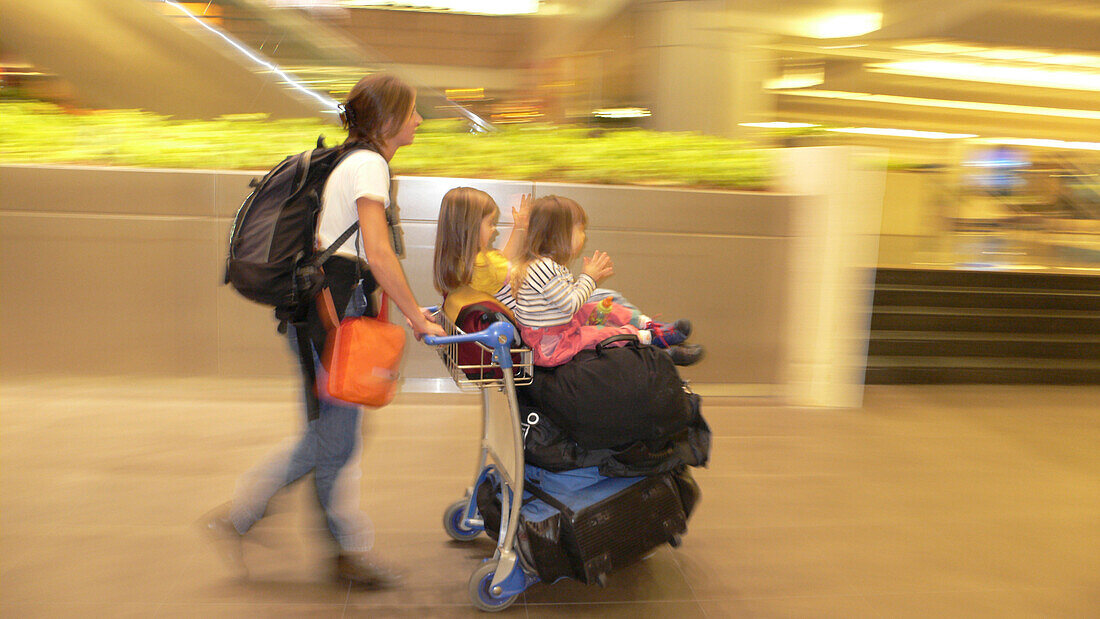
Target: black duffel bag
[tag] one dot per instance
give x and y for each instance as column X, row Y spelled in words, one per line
column 547, row 446
column 615, row 396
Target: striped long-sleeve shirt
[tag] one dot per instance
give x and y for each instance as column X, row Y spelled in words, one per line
column 549, row 296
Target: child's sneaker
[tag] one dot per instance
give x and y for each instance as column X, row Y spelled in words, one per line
column 665, row 334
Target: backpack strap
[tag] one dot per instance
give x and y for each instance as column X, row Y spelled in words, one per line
column 301, row 171
column 320, row 258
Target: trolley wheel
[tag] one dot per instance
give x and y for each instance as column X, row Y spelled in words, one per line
column 452, row 523
column 480, row 582
column 675, row 541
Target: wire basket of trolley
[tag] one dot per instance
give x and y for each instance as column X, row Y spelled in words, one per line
column 560, row 502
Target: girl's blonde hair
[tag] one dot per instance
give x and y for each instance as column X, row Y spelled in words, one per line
column 549, row 235
column 458, row 235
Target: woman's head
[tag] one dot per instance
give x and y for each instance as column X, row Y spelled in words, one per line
column 380, row 112
column 467, row 221
column 552, row 229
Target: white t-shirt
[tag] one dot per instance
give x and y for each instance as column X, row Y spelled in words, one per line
column 364, row 173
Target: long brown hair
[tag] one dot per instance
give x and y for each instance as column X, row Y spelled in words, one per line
column 376, row 108
column 458, row 235
column 549, row 235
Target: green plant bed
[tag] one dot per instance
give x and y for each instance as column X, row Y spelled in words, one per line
column 35, row 132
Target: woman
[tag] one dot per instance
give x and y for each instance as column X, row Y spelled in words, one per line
column 380, row 116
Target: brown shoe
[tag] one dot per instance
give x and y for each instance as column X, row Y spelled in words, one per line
column 686, row 354
column 362, row 568
column 216, row 525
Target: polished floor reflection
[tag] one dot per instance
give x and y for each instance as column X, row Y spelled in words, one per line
column 930, row 501
column 1004, row 249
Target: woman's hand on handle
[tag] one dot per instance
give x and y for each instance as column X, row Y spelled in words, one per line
column 424, row 325
column 599, row 267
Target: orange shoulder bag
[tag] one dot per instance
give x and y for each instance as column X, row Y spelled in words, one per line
column 362, row 355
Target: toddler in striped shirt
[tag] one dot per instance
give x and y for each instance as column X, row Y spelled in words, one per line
column 553, row 308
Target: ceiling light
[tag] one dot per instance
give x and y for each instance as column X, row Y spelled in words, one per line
column 940, row 48
column 799, row 76
column 843, row 25
column 779, row 125
column 1003, row 53
column 992, row 73
column 794, row 81
column 1043, row 143
column 1080, row 60
column 905, row 133
column 945, row 103
column 479, row 7
column 1008, row 54
column 621, row 112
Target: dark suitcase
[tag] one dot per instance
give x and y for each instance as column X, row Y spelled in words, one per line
column 588, row 532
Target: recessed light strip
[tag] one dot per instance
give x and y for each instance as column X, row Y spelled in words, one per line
column 992, row 73
column 944, row 103
column 1043, row 143
column 779, row 125
column 904, row 133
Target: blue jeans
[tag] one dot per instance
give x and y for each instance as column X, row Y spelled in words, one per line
column 329, row 448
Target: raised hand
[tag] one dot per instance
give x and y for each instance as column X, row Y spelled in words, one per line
column 521, row 215
column 599, row 267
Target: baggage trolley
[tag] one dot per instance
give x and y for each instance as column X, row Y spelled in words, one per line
column 498, row 581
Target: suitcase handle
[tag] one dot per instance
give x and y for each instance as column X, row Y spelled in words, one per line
column 630, row 338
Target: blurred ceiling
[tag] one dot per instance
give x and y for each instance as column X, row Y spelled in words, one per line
column 966, row 66
column 1022, row 69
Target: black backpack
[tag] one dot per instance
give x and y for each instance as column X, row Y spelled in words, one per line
column 272, row 258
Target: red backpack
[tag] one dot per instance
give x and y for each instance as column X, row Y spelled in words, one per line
column 475, row 360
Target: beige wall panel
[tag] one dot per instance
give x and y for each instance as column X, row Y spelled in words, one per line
column 246, row 339
column 732, row 289
column 106, row 295
column 230, row 190
column 149, row 295
column 419, row 197
column 678, row 210
column 104, row 190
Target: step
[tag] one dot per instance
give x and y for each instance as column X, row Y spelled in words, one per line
column 987, row 278
column 954, row 296
column 980, row 370
column 984, row 320
column 966, row 344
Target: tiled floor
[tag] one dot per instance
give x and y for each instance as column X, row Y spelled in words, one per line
column 963, row 501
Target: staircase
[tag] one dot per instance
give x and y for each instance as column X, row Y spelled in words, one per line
column 947, row 326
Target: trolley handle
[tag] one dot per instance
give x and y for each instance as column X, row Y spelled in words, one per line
column 497, row 336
